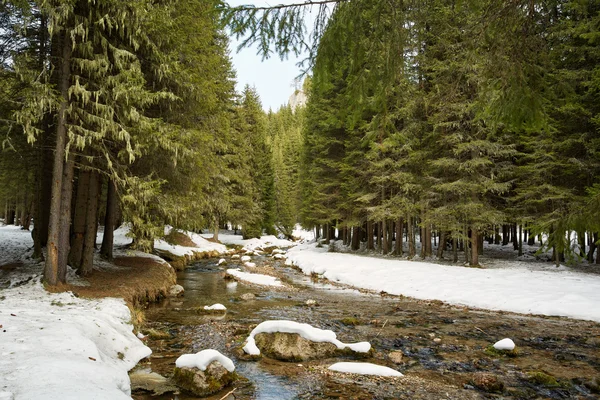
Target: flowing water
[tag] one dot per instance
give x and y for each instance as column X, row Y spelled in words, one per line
column 440, row 347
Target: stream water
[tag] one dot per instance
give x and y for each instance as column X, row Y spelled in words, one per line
column 440, row 346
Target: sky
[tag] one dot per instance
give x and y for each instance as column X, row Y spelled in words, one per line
column 273, row 78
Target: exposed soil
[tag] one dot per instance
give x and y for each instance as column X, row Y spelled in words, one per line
column 441, row 349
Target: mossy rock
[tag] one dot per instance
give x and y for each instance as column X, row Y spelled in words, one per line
column 542, row 378
column 487, row 382
column 203, row 383
column 493, row 352
column 350, row 321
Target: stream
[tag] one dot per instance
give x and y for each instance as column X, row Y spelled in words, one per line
column 440, row 348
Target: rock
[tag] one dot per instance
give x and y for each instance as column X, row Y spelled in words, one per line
column 396, row 356
column 245, row 258
column 505, row 344
column 222, row 261
column 248, row 296
column 437, row 340
column 203, row 383
column 292, row 347
column 176, row 291
column 487, row 382
column 278, row 256
column 248, row 264
column 151, row 382
column 310, row 302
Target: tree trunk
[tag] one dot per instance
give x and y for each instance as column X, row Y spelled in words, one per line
column 81, row 200
column 411, row 237
column 216, row 230
column 581, row 242
column 106, row 250
column 597, row 248
column 496, row 235
column 505, row 235
column 531, row 238
column 520, row 240
column 399, row 226
column 65, row 218
column 384, row 232
column 52, row 266
column 454, row 250
column 356, row 237
column 515, row 239
column 370, row 245
column 441, row 246
column 91, row 215
column 475, row 248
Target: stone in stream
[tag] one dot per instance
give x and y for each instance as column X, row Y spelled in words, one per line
column 176, row 291
column 204, row 373
column 247, row 296
column 293, row 347
column 487, row 382
column 149, row 381
column 396, row 357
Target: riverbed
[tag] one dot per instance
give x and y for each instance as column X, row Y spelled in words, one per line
column 442, row 350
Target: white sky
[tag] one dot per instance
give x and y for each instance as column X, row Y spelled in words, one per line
column 273, row 78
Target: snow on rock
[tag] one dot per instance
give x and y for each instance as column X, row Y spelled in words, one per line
column 364, row 369
column 504, row 344
column 250, row 264
column 245, row 258
column 517, row 289
column 222, row 261
column 176, row 291
column 277, row 251
column 235, row 256
column 58, row 346
column 258, row 279
column 203, row 359
column 278, row 256
column 216, row 307
column 306, row 331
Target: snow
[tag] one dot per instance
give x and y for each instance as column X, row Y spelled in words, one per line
column 217, row 306
column 58, row 346
column 306, row 331
column 258, row 279
column 364, row 369
column 245, row 258
column 251, row 245
column 222, row 261
column 517, row 289
column 250, row 264
column 15, row 244
column 504, row 344
column 203, row 359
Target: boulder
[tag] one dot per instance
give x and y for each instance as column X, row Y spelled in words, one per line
column 176, row 291
column 203, row 383
column 396, row 357
column 247, row 296
column 293, row 347
column 487, row 382
column 149, row 381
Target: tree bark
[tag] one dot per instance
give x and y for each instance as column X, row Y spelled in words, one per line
column 411, row 237
column 474, row 248
column 356, row 237
column 520, row 240
column 106, row 250
column 216, row 230
column 515, row 239
column 441, row 246
column 454, row 250
column 505, row 235
column 385, row 249
column 65, row 218
column 81, row 199
column 399, row 226
column 87, row 259
column 496, row 235
column 370, row 245
column 52, row 266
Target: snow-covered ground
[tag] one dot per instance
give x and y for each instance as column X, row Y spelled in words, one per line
column 519, row 289
column 58, row 346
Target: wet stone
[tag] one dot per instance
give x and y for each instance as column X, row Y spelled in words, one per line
column 203, row 383
column 292, row 347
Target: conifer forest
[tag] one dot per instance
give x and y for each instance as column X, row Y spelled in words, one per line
column 440, row 122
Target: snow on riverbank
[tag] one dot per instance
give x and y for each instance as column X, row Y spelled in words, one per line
column 57, row 346
column 257, row 279
column 522, row 290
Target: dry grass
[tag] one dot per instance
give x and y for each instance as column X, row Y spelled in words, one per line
column 178, row 238
column 139, row 281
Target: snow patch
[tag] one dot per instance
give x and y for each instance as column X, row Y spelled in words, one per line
column 217, row 306
column 203, row 359
column 504, row 344
column 364, row 369
column 257, row 279
column 306, row 331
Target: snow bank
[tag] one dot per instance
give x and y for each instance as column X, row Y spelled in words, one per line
column 257, row 279
column 522, row 290
column 364, row 369
column 308, row 332
column 216, row 307
column 57, row 346
column 252, row 244
column 203, row 359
